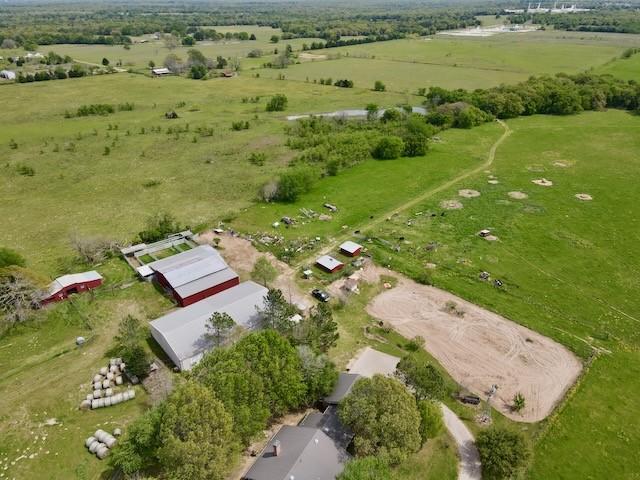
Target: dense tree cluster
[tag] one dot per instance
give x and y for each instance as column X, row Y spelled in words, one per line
column 612, row 19
column 559, row 95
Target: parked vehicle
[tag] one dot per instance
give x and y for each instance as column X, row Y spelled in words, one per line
column 320, row 295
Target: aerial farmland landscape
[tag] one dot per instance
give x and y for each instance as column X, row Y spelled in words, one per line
column 298, row 240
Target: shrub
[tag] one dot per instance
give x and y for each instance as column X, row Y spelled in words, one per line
column 158, row 226
column 258, row 158
column 237, row 126
column 293, row 183
column 503, row 452
column 278, row 103
column 431, row 423
column 25, row 170
column 425, row 380
column 378, row 86
column 95, row 109
column 10, row 258
column 388, row 148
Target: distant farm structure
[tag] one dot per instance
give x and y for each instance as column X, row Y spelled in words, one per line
column 66, row 285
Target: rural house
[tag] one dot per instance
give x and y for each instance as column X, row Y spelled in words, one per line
column 66, row 285
column 160, row 72
column 329, row 264
column 194, row 275
column 181, row 333
column 351, row 249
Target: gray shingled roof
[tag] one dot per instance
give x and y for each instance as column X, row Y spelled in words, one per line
column 183, row 329
column 328, row 262
column 342, row 388
column 305, row 454
column 329, row 422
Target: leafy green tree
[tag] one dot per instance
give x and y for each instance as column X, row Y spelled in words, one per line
column 219, row 326
column 431, row 423
column 275, row 39
column 503, row 452
column 384, row 418
column 228, row 375
column 293, row 183
column 391, row 115
column 366, row 468
column 198, row 72
column 9, row 258
column 138, row 449
column 129, row 344
column 378, row 86
column 196, row 435
column 277, row 103
column 264, row 271
column 319, row 373
column 277, row 312
column 372, row 111
column 388, row 148
column 319, row 330
column 423, row 378
column 158, row 226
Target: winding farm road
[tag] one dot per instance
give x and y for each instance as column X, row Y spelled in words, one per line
column 469, row 457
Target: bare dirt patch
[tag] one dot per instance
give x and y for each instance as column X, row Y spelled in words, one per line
column 518, row 195
column 585, row 197
column 468, row 193
column 481, row 348
column 543, row 182
column 451, row 205
column 241, row 255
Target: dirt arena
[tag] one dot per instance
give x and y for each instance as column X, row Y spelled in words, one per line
column 480, row 348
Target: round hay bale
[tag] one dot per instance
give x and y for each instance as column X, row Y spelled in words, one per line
column 110, row 376
column 102, row 451
column 106, row 384
column 85, row 404
column 543, row 182
column 94, row 446
column 100, row 435
column 97, row 378
column 122, row 366
column 118, row 361
column 108, row 392
column 97, row 394
column 103, row 371
column 107, row 401
column 89, row 441
column 97, row 403
column 114, row 369
column 117, row 432
column 119, row 380
column 89, row 396
column 116, row 399
column 110, row 441
column 97, row 385
column 468, row 193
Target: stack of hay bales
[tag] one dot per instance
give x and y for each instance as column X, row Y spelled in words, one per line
column 104, row 384
column 100, row 443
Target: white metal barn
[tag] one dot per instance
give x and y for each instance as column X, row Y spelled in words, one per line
column 181, row 333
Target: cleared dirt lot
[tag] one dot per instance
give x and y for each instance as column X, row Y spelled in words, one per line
column 480, row 348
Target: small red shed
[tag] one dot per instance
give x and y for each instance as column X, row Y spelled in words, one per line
column 329, row 264
column 66, row 285
column 351, row 249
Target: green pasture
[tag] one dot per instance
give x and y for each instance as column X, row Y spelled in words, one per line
column 625, row 68
column 568, row 267
column 77, row 189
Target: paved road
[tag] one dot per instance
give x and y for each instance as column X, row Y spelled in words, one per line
column 469, row 457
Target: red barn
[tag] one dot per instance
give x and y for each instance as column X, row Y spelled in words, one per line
column 194, row 275
column 329, row 264
column 66, row 285
column 351, row 249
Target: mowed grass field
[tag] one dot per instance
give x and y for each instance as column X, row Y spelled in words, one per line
column 409, row 64
column 77, row 189
column 568, row 267
column 139, row 54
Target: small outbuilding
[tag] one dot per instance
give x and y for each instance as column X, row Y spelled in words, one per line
column 66, row 285
column 330, row 264
column 351, row 249
column 160, row 72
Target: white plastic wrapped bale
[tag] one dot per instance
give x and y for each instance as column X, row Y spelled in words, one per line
column 102, row 451
column 108, row 392
column 104, row 371
column 89, row 396
column 112, row 362
column 97, row 394
column 94, row 446
column 113, row 369
column 117, row 432
column 118, row 361
column 106, row 384
column 107, row 401
column 119, row 380
column 97, row 385
column 89, row 441
column 106, row 438
column 110, row 376
column 117, row 398
column 97, row 403
column 85, row 404
column 122, row 366
column 97, row 378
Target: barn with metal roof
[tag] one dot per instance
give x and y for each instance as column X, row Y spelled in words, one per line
column 194, row 275
column 182, row 332
column 66, row 285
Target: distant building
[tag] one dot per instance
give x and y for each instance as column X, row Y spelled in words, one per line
column 160, row 72
column 66, row 285
column 182, row 332
column 351, row 249
column 329, row 264
column 194, row 275
column 8, row 74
